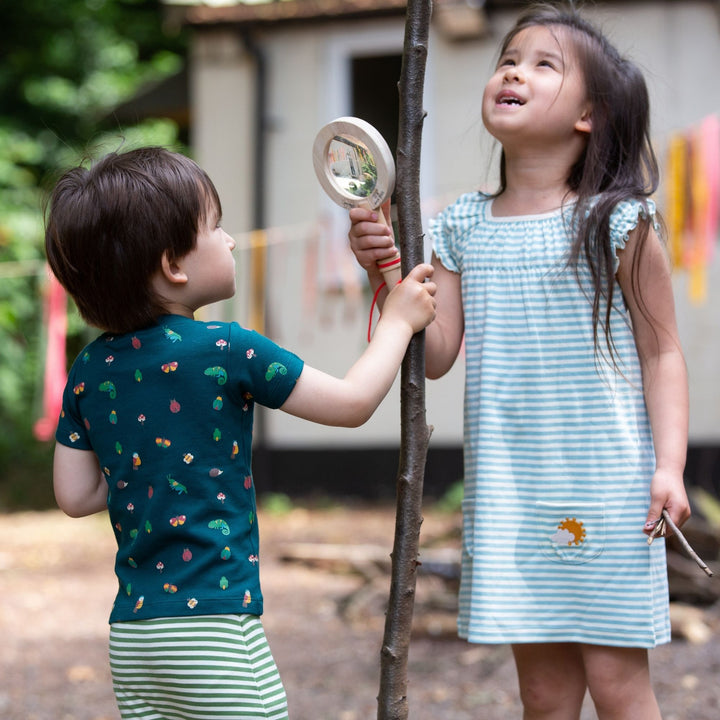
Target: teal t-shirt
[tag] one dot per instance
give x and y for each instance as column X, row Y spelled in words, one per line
column 168, row 411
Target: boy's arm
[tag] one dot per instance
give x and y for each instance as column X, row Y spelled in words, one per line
column 372, row 241
column 663, row 370
column 80, row 488
column 350, row 401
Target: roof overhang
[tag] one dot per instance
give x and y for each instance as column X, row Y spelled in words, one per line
column 239, row 13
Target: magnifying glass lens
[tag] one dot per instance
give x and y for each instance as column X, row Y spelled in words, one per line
column 352, row 166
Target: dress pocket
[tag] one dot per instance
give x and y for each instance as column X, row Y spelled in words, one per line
column 572, row 533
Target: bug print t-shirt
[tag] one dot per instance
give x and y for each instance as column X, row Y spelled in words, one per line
column 168, row 411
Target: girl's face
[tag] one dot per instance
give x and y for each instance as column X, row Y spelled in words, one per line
column 537, row 93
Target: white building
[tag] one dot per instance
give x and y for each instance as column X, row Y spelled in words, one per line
column 265, row 76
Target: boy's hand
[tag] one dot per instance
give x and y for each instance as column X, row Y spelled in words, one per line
column 370, row 239
column 413, row 300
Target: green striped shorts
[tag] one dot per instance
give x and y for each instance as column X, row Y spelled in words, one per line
column 195, row 668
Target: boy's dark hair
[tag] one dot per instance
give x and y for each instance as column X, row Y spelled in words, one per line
column 618, row 162
column 108, row 226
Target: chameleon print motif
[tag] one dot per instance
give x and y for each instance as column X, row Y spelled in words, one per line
column 217, row 372
column 220, row 525
column 275, row 369
column 108, row 387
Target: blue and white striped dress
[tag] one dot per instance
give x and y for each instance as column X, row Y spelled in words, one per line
column 558, row 447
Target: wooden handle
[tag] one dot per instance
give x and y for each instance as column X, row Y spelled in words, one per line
column 389, row 267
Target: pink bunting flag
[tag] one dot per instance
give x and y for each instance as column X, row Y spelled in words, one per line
column 55, row 374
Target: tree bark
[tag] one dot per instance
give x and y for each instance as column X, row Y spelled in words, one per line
column 415, row 434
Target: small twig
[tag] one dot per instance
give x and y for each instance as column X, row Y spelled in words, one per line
column 686, row 545
column 659, row 529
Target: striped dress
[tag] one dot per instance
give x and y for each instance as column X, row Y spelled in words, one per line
column 558, row 448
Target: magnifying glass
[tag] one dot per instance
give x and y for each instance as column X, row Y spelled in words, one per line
column 356, row 169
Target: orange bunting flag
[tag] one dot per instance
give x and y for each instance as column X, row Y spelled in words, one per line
column 675, row 187
column 692, row 189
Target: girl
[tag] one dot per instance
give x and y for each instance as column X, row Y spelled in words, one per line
column 576, row 395
column 156, row 426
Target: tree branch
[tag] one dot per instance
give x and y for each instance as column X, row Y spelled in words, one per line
column 415, row 434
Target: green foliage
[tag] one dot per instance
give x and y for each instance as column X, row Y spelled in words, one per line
column 276, row 503
column 451, row 501
column 66, row 65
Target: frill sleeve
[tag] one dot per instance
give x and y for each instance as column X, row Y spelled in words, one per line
column 624, row 220
column 450, row 229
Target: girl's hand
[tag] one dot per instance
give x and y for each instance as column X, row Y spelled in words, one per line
column 667, row 492
column 412, row 301
column 370, row 239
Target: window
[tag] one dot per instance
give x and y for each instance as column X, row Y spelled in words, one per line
column 375, row 93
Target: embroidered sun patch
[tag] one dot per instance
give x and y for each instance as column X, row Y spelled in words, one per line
column 569, row 532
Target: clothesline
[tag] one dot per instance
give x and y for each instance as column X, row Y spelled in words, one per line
column 691, row 188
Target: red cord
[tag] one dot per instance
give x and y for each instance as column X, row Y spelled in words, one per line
column 372, row 308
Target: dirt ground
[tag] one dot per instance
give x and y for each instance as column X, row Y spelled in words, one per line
column 325, row 626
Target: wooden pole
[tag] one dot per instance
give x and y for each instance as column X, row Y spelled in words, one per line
column 415, row 434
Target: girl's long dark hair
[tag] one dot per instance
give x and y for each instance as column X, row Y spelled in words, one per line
column 618, row 162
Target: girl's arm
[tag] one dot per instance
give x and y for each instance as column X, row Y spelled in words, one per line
column 663, row 370
column 372, row 241
column 80, row 488
column 444, row 337
column 350, row 401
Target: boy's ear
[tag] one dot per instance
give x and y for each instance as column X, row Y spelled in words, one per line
column 584, row 124
column 171, row 271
